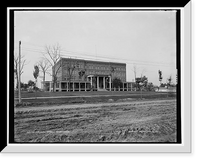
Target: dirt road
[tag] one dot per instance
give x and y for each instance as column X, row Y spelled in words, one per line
column 129, row 121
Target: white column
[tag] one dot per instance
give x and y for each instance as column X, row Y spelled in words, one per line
column 67, row 86
column 91, row 80
column 131, row 86
column 85, row 86
column 97, row 83
column 60, row 87
column 123, row 86
column 73, row 86
column 79, row 86
column 104, row 83
column 110, row 83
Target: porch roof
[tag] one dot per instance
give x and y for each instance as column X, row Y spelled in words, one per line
column 100, row 75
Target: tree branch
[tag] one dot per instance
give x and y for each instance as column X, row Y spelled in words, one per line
column 58, row 69
column 49, row 53
column 22, row 65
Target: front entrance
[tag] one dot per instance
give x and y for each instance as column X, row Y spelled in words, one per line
column 99, row 82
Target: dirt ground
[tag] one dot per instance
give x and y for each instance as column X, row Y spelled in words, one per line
column 130, row 121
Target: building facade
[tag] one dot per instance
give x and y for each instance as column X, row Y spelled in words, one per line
column 86, row 75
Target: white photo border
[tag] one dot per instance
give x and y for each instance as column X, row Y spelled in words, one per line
column 184, row 147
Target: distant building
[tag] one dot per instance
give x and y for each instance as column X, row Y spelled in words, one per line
column 87, row 75
column 165, row 89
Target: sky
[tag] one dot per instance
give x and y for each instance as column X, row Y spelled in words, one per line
column 144, row 39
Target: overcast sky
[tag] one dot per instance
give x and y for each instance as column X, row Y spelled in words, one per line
column 144, row 39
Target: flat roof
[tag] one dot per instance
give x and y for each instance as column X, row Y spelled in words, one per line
column 94, row 61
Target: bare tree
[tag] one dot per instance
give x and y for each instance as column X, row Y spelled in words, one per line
column 82, row 72
column 16, row 67
column 44, row 67
column 135, row 69
column 72, row 65
column 143, row 71
column 169, row 81
column 53, row 57
column 112, row 71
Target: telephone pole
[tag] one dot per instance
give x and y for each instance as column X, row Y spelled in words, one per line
column 19, row 82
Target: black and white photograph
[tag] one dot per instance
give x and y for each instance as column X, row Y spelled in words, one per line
column 96, row 77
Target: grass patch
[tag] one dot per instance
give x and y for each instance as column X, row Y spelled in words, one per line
column 99, row 99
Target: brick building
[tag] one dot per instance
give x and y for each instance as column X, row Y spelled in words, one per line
column 85, row 75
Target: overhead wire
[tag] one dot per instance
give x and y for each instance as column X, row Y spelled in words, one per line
column 84, row 55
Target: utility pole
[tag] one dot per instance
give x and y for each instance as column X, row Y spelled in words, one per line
column 19, row 82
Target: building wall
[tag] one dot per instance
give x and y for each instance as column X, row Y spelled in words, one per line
column 91, row 68
column 58, row 69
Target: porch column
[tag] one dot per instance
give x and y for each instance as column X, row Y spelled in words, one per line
column 97, row 83
column 67, row 86
column 79, row 86
column 60, row 89
column 85, row 86
column 110, row 83
column 73, row 86
column 104, row 83
column 91, row 80
column 123, row 86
